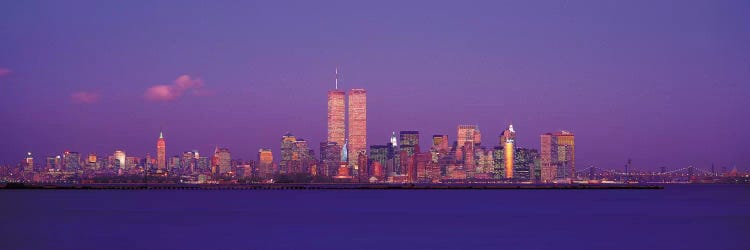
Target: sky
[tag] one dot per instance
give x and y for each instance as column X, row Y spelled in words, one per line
column 665, row 83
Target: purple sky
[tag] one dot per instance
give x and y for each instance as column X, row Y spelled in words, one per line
column 666, row 83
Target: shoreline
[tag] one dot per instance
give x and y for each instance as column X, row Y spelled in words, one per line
column 323, row 186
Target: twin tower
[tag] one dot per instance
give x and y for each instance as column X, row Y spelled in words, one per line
column 356, row 142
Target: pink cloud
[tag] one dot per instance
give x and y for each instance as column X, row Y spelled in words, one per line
column 84, row 97
column 4, row 71
column 166, row 93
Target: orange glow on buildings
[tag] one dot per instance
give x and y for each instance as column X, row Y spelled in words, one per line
column 336, row 127
column 566, row 153
column 547, row 152
column 357, row 125
column 508, row 139
column 161, row 152
column 508, row 159
column 92, row 158
column 265, row 162
column 466, row 133
column 377, row 170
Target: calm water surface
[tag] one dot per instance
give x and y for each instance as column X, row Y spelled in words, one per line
column 678, row 217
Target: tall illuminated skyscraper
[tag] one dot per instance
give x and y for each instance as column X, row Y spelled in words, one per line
column 336, row 127
column 357, row 125
column 508, row 138
column 548, row 154
column 161, row 152
column 558, row 155
column 565, row 154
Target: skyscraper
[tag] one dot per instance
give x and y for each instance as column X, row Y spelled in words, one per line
column 557, row 155
column 265, row 162
column 470, row 134
column 28, row 163
column 222, row 160
column 508, row 137
column 379, row 154
column 53, row 162
column 71, row 161
column 119, row 157
column 565, row 154
column 336, row 128
column 548, row 154
column 357, row 125
column 440, row 143
column 161, row 152
column 409, row 138
column 300, row 157
column 330, row 158
column 288, row 142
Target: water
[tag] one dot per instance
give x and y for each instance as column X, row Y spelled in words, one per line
column 678, row 217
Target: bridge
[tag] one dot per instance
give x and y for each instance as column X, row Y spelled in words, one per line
column 682, row 174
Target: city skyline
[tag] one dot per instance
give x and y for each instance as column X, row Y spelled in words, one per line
column 419, row 124
column 645, row 89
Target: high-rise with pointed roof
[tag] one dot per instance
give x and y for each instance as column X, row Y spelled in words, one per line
column 336, row 128
column 161, row 152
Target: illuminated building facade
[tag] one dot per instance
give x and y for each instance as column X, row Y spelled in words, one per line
column 119, row 157
column 466, row 135
column 548, row 155
column 28, row 163
column 557, row 154
column 71, row 161
column 330, row 158
column 301, row 161
column 265, row 163
column 357, row 125
column 91, row 159
column 287, row 153
column 222, row 160
column 565, row 154
column 410, row 138
column 53, row 162
column 440, row 143
column 161, row 152
column 188, row 162
column 379, row 154
column 336, row 109
column 525, row 163
column 508, row 138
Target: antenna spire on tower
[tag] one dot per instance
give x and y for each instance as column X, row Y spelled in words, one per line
column 337, row 77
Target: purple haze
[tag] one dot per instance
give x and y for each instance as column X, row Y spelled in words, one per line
column 662, row 82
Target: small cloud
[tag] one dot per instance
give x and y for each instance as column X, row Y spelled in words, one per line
column 166, row 93
column 4, row 71
column 84, row 97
